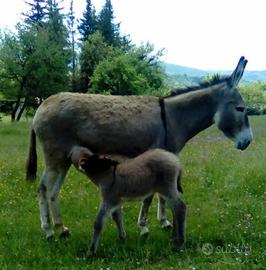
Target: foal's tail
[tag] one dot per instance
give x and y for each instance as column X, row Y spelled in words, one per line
column 31, row 164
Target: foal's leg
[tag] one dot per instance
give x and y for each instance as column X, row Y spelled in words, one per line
column 143, row 215
column 118, row 218
column 161, row 215
column 104, row 212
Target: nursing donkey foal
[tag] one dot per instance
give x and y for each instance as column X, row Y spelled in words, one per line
column 153, row 171
column 129, row 126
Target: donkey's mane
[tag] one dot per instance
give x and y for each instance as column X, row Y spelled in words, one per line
column 216, row 79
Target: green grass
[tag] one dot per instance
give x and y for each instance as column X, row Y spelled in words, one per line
column 224, row 189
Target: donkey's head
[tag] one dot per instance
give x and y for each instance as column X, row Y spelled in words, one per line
column 95, row 163
column 231, row 115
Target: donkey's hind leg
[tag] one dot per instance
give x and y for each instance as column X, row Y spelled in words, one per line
column 44, row 203
column 143, row 215
column 51, row 182
column 161, row 215
column 54, row 202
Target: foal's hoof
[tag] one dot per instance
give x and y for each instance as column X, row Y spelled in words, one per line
column 64, row 234
column 144, row 231
column 166, row 224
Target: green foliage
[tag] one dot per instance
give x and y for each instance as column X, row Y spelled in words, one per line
column 49, row 68
column 54, row 25
column 128, row 73
column 99, row 35
column 106, row 26
column 255, row 97
column 223, row 188
column 15, row 56
column 88, row 25
column 37, row 12
column 93, row 51
column 32, row 63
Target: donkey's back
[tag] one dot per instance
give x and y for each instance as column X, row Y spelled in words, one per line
column 105, row 124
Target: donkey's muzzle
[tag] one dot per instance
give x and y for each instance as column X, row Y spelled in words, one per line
column 242, row 145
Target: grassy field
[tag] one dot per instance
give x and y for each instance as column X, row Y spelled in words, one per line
column 224, row 189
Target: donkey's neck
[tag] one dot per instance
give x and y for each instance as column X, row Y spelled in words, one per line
column 188, row 114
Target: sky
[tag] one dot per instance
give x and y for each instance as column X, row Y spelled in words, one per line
column 205, row 34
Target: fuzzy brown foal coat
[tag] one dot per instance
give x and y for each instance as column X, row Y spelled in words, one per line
column 153, row 171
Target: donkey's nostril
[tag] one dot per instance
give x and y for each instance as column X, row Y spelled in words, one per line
column 243, row 145
column 247, row 143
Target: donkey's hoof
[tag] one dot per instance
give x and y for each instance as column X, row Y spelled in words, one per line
column 166, row 224
column 179, row 246
column 64, row 234
column 144, row 231
column 122, row 237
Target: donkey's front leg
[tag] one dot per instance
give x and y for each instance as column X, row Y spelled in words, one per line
column 104, row 212
column 178, row 208
column 161, row 215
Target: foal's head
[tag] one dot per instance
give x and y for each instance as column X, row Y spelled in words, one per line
column 231, row 116
column 95, row 163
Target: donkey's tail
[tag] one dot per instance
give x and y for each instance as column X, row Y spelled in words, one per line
column 31, row 164
column 179, row 186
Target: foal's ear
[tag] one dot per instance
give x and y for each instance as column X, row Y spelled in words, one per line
column 82, row 164
column 238, row 72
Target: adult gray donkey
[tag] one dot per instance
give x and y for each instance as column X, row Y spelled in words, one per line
column 129, row 125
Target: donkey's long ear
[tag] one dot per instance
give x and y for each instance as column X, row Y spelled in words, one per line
column 238, row 72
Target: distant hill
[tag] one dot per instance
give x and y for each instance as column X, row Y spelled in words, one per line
column 187, row 75
column 176, row 69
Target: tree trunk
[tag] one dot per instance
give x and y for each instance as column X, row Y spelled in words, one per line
column 14, row 110
column 22, row 109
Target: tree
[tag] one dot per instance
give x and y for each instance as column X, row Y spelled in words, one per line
column 31, row 66
column 88, row 24
column 36, row 14
column 55, row 25
column 106, row 25
column 14, row 58
column 255, row 97
column 73, row 66
column 93, row 51
column 131, row 73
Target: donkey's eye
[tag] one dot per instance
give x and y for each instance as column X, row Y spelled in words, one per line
column 240, row 108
